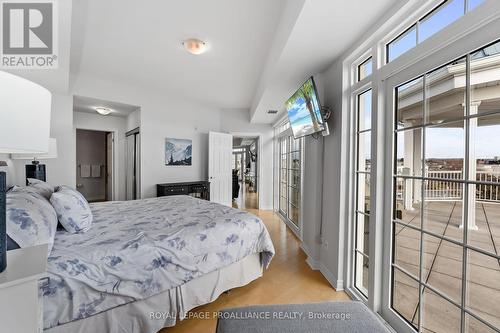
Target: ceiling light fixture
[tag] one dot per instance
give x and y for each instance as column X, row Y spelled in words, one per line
column 195, row 46
column 103, row 111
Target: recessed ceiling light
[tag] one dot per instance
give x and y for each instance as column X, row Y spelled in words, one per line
column 103, row 111
column 195, row 46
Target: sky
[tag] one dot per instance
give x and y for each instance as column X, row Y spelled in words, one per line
column 449, row 142
column 299, row 111
column 445, row 15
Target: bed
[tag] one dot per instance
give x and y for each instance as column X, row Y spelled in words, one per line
column 145, row 263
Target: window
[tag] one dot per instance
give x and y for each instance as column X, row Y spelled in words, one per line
column 362, row 180
column 439, row 18
column 365, row 69
column 283, row 205
column 407, row 40
column 446, row 197
column 290, row 177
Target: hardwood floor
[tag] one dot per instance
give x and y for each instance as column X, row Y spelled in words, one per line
column 288, row 280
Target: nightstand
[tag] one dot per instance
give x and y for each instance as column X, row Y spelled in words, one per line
column 20, row 304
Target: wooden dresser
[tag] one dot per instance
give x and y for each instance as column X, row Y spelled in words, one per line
column 199, row 189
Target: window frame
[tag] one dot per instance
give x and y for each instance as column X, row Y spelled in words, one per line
column 432, row 8
column 356, row 172
column 369, row 59
column 479, row 27
column 440, row 59
column 287, row 134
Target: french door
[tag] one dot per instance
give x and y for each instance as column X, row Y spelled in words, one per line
column 442, row 211
column 290, row 178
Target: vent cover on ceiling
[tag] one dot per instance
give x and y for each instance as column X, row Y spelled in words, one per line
column 272, row 111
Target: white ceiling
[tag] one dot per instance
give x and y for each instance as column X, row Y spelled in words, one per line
column 88, row 105
column 139, row 42
column 322, row 32
column 261, row 50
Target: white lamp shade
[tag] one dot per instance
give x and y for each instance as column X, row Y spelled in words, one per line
column 25, row 109
column 52, row 153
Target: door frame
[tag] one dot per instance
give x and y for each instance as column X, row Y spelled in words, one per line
column 259, row 157
column 114, row 189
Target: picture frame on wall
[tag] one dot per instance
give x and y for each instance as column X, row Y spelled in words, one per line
column 178, row 152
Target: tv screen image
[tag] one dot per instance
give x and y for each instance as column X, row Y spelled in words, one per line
column 304, row 111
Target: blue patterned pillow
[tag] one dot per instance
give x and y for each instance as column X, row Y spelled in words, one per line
column 73, row 210
column 45, row 189
column 31, row 220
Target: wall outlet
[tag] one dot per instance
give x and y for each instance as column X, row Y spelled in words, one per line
column 323, row 242
column 319, row 239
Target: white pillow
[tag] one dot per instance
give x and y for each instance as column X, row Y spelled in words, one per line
column 73, row 210
column 31, row 220
column 45, row 189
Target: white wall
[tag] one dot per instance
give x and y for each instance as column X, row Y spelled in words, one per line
column 161, row 116
column 238, row 121
column 334, row 178
column 133, row 120
column 323, row 197
column 117, row 125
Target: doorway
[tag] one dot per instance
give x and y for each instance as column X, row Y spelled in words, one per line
column 246, row 172
column 94, row 159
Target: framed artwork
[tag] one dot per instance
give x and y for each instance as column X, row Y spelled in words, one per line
column 178, row 152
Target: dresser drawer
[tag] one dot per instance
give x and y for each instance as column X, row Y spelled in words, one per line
column 200, row 189
column 172, row 190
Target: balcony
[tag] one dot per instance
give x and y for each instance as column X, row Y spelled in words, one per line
column 443, row 255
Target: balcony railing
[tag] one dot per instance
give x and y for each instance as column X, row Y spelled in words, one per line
column 436, row 190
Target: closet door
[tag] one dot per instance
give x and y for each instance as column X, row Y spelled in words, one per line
column 137, row 176
column 130, row 146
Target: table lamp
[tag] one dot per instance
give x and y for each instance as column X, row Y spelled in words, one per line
column 35, row 169
column 25, row 109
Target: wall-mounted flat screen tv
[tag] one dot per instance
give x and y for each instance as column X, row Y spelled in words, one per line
column 304, row 111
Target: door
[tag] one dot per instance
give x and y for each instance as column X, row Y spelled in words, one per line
column 130, row 166
column 220, row 153
column 133, row 162
column 109, row 165
column 92, row 164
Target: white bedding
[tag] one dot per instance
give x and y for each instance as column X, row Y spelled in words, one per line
column 138, row 249
column 135, row 317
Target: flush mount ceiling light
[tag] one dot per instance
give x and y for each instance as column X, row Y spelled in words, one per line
column 195, row 46
column 103, row 111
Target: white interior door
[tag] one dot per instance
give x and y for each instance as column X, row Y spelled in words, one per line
column 220, row 154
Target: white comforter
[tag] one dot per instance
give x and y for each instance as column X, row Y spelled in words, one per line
column 136, row 249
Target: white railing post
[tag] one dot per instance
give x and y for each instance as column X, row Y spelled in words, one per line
column 471, row 200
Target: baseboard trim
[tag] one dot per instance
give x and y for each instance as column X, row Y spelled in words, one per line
column 316, row 265
column 311, row 261
column 337, row 284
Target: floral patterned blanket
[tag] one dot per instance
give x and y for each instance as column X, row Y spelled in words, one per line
column 136, row 249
